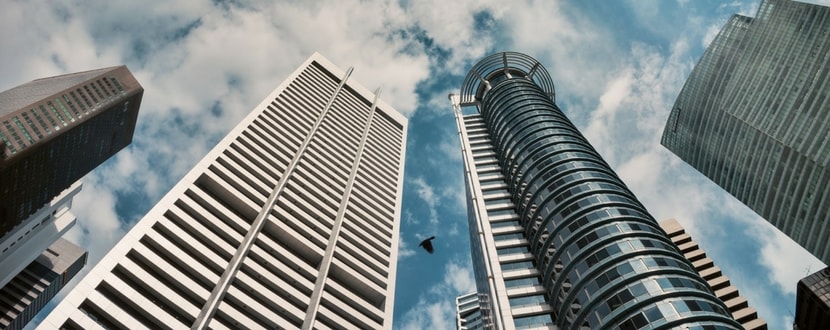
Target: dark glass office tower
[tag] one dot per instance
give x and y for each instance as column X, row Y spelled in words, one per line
column 754, row 117
column 53, row 131
column 557, row 238
column 291, row 221
column 812, row 302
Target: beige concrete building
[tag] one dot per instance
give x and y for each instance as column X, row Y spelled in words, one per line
column 736, row 303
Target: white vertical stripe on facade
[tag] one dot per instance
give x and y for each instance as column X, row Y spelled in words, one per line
column 338, row 208
column 230, row 272
column 479, row 213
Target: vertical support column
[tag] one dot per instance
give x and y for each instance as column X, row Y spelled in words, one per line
column 221, row 288
column 325, row 265
column 493, row 314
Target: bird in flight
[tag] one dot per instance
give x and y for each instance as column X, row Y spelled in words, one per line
column 427, row 244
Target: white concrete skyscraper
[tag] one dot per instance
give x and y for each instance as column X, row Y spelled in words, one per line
column 291, row 221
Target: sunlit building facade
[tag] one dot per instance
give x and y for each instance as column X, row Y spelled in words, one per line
column 291, row 221
column 753, row 117
column 557, row 239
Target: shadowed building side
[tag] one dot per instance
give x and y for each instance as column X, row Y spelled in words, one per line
column 812, row 302
column 55, row 130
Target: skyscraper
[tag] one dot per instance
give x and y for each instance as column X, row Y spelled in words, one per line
column 19, row 247
column 53, row 131
column 753, row 117
column 557, row 238
column 812, row 303
column 31, row 289
column 291, row 221
column 468, row 312
column 35, row 263
column 737, row 304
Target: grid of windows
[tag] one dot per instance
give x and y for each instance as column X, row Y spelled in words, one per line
column 48, row 144
column 812, row 306
column 291, row 221
column 752, row 117
column 468, row 312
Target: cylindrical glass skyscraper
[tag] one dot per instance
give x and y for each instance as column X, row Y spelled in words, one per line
column 558, row 239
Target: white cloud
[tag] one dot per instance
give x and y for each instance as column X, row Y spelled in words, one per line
column 98, row 226
column 189, row 55
column 459, row 278
column 454, row 189
column 410, row 218
column 427, row 194
column 404, row 251
column 436, row 306
column 785, row 259
column 742, row 8
column 578, row 53
column 456, row 32
column 40, row 50
column 710, row 35
column 603, row 120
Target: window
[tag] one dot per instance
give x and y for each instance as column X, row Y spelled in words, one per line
column 528, row 281
column 508, row 236
column 502, row 212
column 502, row 224
column 532, row 321
column 653, row 314
column 513, row 250
column 57, row 115
column 528, row 264
column 527, row 301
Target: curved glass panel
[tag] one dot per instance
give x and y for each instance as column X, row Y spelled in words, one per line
column 602, row 258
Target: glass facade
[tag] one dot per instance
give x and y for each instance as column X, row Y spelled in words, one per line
column 467, row 312
column 592, row 255
column 47, row 142
column 812, row 304
column 753, row 117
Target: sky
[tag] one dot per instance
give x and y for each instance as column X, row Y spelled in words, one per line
column 617, row 66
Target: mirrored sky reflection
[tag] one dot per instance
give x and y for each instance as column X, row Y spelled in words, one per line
column 617, row 67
